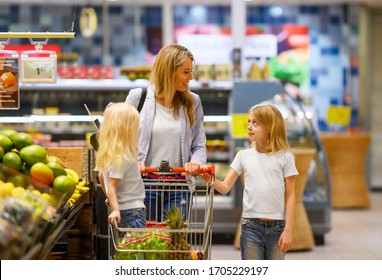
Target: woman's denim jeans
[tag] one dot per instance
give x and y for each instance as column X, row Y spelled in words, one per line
column 259, row 239
column 160, row 199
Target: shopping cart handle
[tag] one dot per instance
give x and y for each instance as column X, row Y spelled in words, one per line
column 210, row 170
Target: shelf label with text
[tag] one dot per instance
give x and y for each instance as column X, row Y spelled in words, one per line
column 38, row 69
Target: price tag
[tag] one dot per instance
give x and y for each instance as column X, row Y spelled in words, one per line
column 38, row 69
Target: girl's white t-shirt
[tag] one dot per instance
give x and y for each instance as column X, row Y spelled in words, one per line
column 264, row 185
column 131, row 190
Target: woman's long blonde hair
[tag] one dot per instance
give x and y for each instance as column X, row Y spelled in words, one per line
column 117, row 136
column 162, row 76
column 271, row 118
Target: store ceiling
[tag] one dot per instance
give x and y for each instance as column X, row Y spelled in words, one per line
column 195, row 2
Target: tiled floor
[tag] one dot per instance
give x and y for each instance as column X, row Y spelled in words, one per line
column 356, row 235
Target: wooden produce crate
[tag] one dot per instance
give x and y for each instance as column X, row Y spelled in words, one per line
column 73, row 157
column 80, row 238
column 81, row 245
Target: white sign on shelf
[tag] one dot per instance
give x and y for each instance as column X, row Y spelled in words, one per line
column 38, row 69
column 217, row 49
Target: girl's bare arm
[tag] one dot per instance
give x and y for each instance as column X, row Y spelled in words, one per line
column 223, row 186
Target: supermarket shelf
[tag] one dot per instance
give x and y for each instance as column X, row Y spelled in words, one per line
column 81, row 118
column 48, row 118
column 218, row 156
column 116, row 84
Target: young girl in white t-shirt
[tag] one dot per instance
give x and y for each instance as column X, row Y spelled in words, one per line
column 269, row 186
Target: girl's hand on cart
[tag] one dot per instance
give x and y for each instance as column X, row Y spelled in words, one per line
column 206, row 174
column 107, row 202
column 115, row 216
column 142, row 168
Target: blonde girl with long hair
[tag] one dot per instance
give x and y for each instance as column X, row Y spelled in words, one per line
column 171, row 125
column 269, row 186
column 117, row 162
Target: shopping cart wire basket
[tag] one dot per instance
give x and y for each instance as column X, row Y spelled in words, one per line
column 173, row 232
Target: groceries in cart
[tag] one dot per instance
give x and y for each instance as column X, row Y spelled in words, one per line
column 179, row 235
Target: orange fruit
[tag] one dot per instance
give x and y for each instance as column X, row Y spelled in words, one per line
column 42, row 173
column 64, row 184
column 21, row 140
column 32, row 154
column 12, row 160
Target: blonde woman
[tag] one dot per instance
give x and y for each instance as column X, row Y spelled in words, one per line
column 171, row 125
column 269, row 186
column 117, row 162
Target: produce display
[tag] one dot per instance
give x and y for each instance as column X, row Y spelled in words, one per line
column 36, row 189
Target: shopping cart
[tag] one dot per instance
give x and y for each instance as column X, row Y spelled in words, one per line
column 174, row 232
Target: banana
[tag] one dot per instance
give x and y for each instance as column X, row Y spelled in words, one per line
column 81, row 183
column 82, row 189
column 73, row 174
column 76, row 196
column 70, row 202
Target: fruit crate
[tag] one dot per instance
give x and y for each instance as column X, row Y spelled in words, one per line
column 79, row 237
column 24, row 214
column 75, row 158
